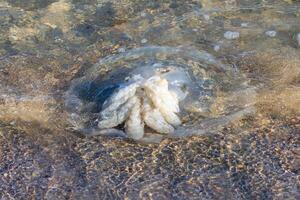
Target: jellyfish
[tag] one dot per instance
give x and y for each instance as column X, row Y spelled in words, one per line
column 146, row 94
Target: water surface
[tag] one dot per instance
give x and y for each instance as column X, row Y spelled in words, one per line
column 46, row 45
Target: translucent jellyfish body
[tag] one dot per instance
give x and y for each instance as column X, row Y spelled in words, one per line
column 153, row 91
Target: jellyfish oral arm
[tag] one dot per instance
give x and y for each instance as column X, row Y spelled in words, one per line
column 148, row 102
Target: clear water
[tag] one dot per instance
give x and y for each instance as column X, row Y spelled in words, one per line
column 46, row 46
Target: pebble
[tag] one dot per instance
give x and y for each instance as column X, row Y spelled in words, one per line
column 298, row 38
column 230, row 35
column 271, row 33
column 121, row 50
column 217, row 47
column 206, row 17
column 244, row 24
column 144, row 41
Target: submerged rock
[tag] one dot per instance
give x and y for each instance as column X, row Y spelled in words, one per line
column 271, row 33
column 230, row 35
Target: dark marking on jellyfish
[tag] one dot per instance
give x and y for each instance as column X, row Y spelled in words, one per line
column 96, row 91
column 91, row 91
column 103, row 94
column 31, row 4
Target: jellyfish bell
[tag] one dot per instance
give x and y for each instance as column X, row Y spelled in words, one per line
column 168, row 83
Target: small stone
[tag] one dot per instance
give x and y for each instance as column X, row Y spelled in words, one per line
column 231, row 35
column 144, row 41
column 217, row 47
column 298, row 38
column 271, row 33
column 206, row 17
column 121, row 50
column 244, row 24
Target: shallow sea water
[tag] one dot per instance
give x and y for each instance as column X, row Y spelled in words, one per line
column 46, row 46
